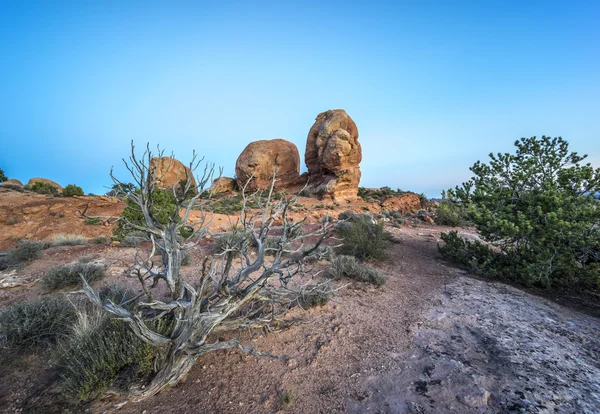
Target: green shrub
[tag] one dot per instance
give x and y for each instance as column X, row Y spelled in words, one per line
column 348, row 266
column 100, row 240
column 68, row 240
column 72, row 190
column 316, row 295
column 537, row 208
column 59, row 277
column 134, row 238
column 163, row 206
column 11, row 221
column 363, row 238
column 25, row 252
column 450, row 212
column 104, row 354
column 93, row 221
column 3, row 177
column 35, row 322
column 44, row 188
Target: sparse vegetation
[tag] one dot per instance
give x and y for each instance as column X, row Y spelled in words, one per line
column 11, row 221
column 36, row 322
column 25, row 252
column 44, row 188
column 536, row 209
column 3, row 177
column 68, row 239
column 348, row 266
column 72, row 190
column 93, row 221
column 68, row 275
column 100, row 240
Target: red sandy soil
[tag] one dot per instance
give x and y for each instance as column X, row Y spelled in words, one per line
column 431, row 340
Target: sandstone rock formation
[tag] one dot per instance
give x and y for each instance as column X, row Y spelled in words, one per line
column 170, row 172
column 403, row 203
column 44, row 181
column 332, row 156
column 12, row 181
column 260, row 158
column 223, row 185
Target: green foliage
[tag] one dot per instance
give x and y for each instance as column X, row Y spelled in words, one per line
column 93, row 221
column 100, row 240
column 362, row 237
column 162, row 208
column 105, row 354
column 44, row 188
column 35, row 322
column 121, row 190
column 72, row 190
column 3, row 177
column 450, row 212
column 59, row 277
column 379, row 195
column 537, row 207
column 348, row 266
column 315, row 297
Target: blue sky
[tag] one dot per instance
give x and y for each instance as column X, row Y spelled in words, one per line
column 432, row 85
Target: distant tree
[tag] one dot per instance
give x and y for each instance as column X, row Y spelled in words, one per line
column 121, row 190
column 2, row 176
column 537, row 208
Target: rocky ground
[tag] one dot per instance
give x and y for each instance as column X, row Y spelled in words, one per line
column 431, row 340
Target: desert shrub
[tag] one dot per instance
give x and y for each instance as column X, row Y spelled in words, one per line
column 25, row 251
column 537, row 208
column 186, row 258
column 363, row 238
column 450, row 211
column 11, row 221
column 134, row 238
column 234, row 239
column 35, row 322
column 163, row 206
column 100, row 240
column 3, row 177
column 316, row 295
column 14, row 187
column 102, row 353
column 348, row 266
column 44, row 188
column 72, row 190
column 93, row 221
column 68, row 240
column 59, row 277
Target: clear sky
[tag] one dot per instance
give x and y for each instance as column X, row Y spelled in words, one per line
column 432, row 85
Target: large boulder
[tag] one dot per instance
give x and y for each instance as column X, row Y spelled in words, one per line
column 404, row 203
column 332, row 156
column 170, row 172
column 12, row 181
column 260, row 159
column 223, row 185
column 44, row 181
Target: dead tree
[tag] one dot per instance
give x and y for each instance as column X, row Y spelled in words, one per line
column 246, row 286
